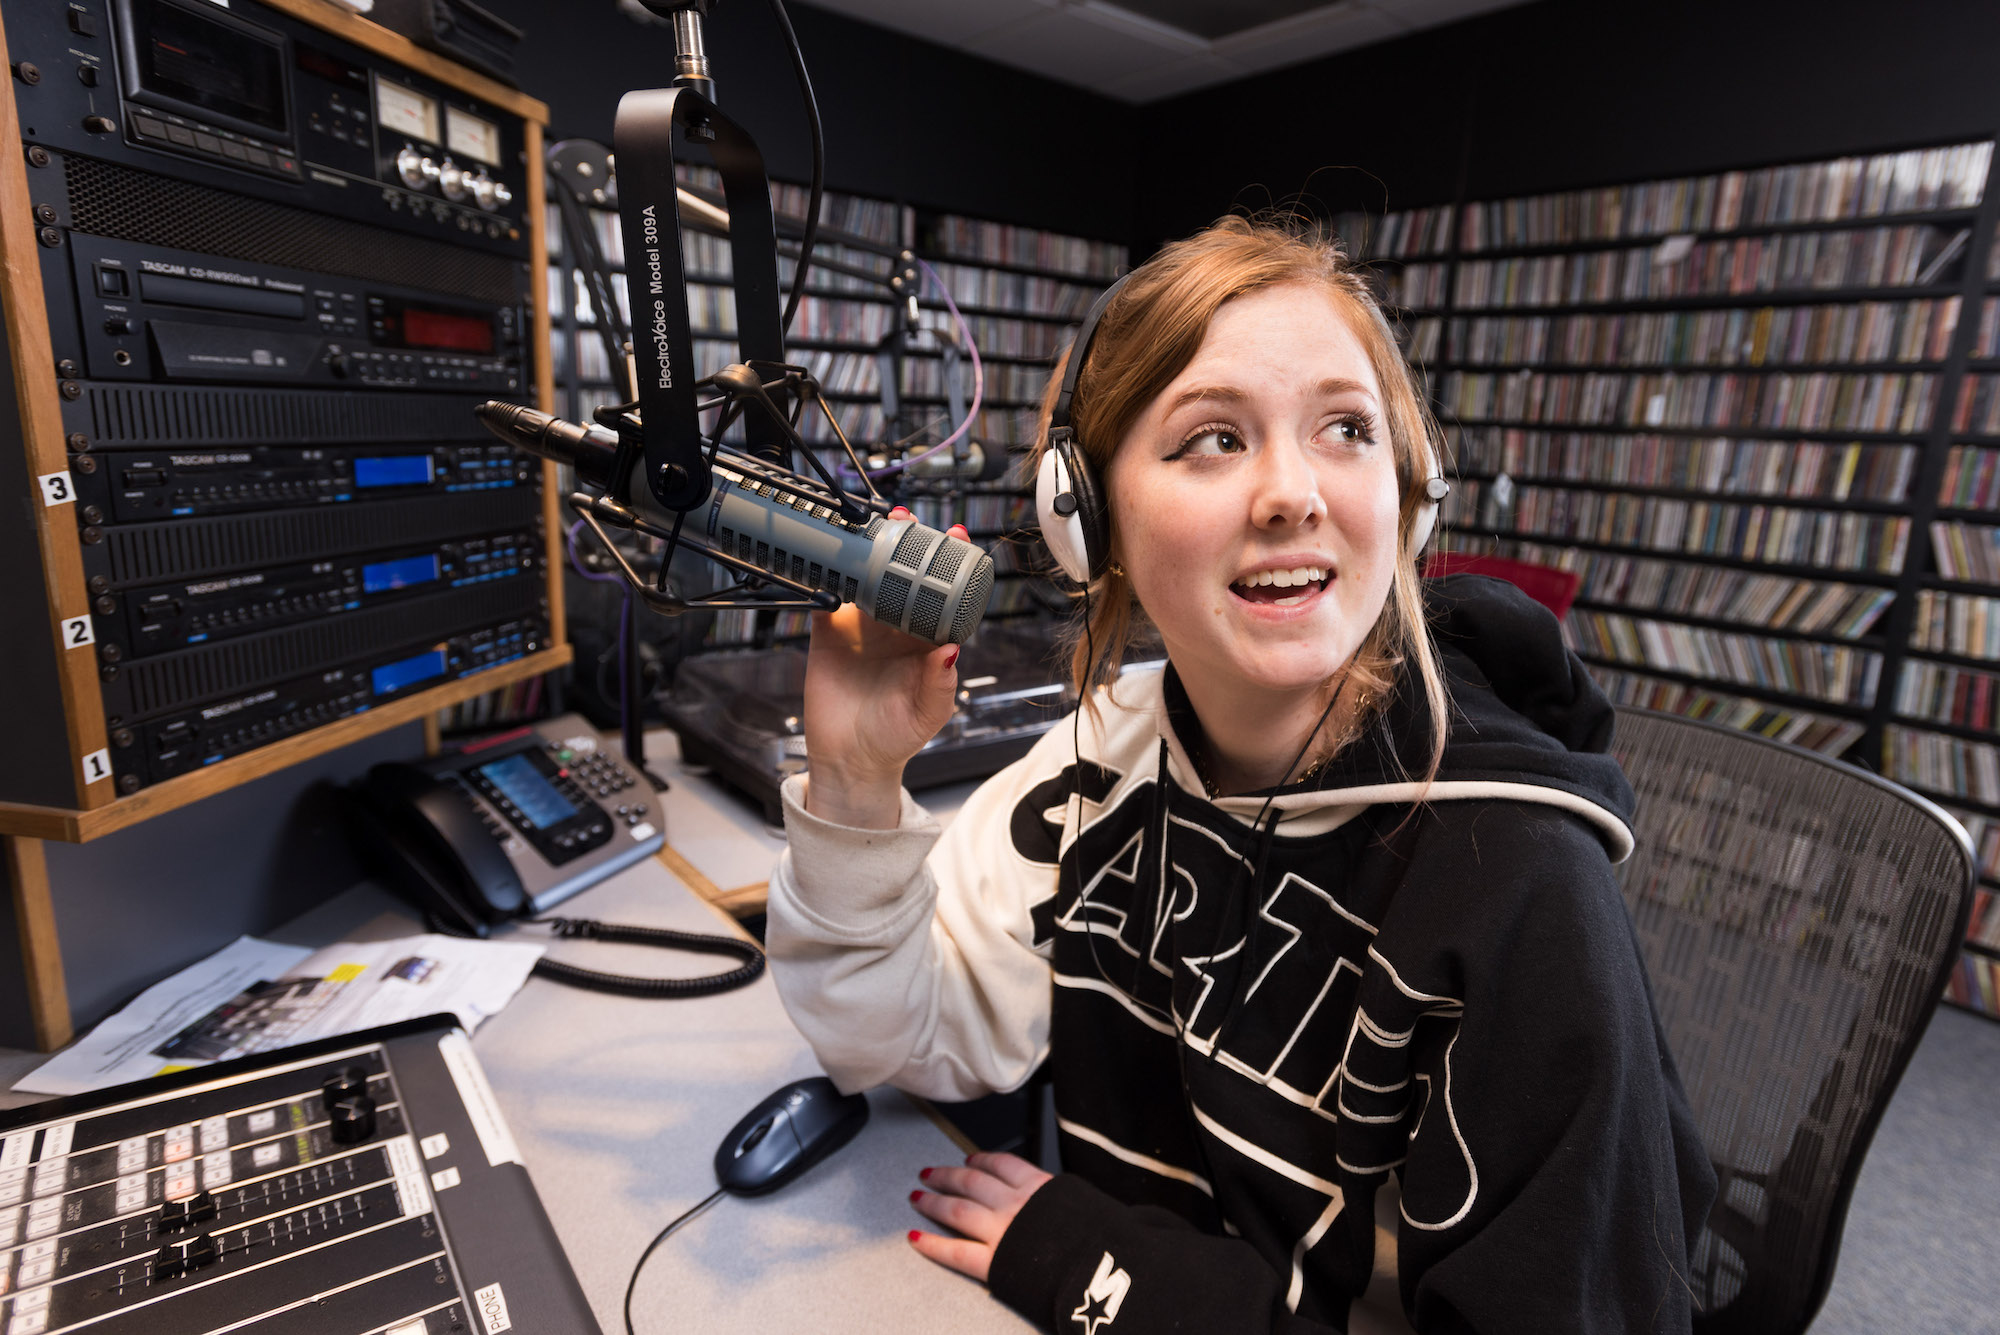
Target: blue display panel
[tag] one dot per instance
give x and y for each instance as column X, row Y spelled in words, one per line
column 522, row 784
column 392, row 677
column 392, row 470
column 400, row 574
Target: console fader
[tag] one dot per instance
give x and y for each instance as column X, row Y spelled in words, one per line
column 358, row 1186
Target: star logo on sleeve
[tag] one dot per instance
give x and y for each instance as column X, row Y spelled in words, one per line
column 1102, row 1297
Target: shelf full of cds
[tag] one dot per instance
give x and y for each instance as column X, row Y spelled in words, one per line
column 1757, row 412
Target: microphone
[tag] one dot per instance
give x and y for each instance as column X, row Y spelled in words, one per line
column 978, row 465
column 897, row 571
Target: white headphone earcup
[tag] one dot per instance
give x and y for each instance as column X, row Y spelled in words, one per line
column 1433, row 489
column 1420, row 528
column 1062, row 532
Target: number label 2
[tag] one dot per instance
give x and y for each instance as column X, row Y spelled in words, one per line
column 76, row 632
column 57, row 489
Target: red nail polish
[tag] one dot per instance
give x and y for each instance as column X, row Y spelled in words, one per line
column 916, row 1196
column 951, row 659
column 914, row 1235
column 925, row 1176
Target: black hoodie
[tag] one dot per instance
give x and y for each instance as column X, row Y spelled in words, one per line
column 1253, row 1030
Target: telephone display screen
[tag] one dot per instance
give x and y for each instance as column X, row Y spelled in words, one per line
column 522, row 784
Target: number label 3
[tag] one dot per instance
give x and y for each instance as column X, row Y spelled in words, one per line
column 57, row 489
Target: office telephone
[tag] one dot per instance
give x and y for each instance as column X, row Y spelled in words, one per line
column 508, row 827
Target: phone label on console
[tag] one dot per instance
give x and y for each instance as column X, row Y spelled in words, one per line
column 492, row 1306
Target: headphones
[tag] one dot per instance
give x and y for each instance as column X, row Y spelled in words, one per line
column 1069, row 501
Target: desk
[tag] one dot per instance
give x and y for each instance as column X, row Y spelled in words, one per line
column 618, row 1105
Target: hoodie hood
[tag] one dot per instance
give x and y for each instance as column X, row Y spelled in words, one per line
column 1526, row 723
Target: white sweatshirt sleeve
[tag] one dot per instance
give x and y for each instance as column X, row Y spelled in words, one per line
column 909, row 959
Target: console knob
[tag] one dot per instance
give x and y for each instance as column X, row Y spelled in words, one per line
column 453, row 180
column 416, row 170
column 118, row 324
column 350, row 1120
column 502, row 196
column 483, row 187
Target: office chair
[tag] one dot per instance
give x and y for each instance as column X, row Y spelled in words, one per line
column 1798, row 917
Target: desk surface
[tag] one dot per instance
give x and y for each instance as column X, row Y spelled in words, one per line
column 618, row 1105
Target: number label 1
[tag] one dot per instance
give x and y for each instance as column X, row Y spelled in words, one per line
column 77, row 632
column 97, row 765
column 57, row 489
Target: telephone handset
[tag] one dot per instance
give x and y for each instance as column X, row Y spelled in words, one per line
column 426, row 842
column 510, row 826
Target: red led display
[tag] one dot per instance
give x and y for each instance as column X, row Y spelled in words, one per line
column 442, row 329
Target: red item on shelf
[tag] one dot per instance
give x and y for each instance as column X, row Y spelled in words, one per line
column 1552, row 588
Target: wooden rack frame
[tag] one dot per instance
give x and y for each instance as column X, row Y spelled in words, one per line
column 97, row 810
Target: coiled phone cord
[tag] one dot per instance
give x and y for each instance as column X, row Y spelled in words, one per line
column 665, row 938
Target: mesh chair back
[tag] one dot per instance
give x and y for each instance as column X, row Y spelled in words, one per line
column 1798, row 917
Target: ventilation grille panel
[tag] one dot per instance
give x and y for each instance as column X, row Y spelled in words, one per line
column 185, row 549
column 141, row 415
column 177, row 681
column 114, row 201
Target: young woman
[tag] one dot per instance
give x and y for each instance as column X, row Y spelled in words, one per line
column 1316, row 928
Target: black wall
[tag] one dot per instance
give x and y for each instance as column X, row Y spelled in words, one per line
column 1566, row 93
column 1540, row 97
column 904, row 119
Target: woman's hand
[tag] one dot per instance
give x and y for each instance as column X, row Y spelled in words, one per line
column 873, row 697
column 979, row 1200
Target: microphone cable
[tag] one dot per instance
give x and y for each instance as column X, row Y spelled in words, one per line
column 804, row 262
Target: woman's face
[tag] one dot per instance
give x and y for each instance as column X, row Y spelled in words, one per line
column 1254, row 501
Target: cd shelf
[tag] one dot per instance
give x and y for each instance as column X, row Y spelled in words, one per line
column 1758, row 413
column 1847, row 472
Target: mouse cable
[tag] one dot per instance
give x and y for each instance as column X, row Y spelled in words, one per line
column 659, row 1238
column 623, row 985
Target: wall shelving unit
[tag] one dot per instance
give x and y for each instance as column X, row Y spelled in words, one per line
column 1758, row 413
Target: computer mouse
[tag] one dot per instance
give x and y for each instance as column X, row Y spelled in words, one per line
column 787, row 1133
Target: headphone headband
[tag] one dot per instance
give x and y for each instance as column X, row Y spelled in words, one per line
column 1070, row 505
column 1078, row 351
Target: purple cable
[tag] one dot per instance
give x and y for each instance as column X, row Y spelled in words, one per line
column 978, row 379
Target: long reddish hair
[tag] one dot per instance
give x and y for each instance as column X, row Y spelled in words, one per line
column 1148, row 335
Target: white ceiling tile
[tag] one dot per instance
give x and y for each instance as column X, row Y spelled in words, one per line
column 1138, row 27
column 1309, row 36
column 1096, row 45
column 1064, row 45
column 1418, row 14
column 1172, row 78
column 947, row 22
